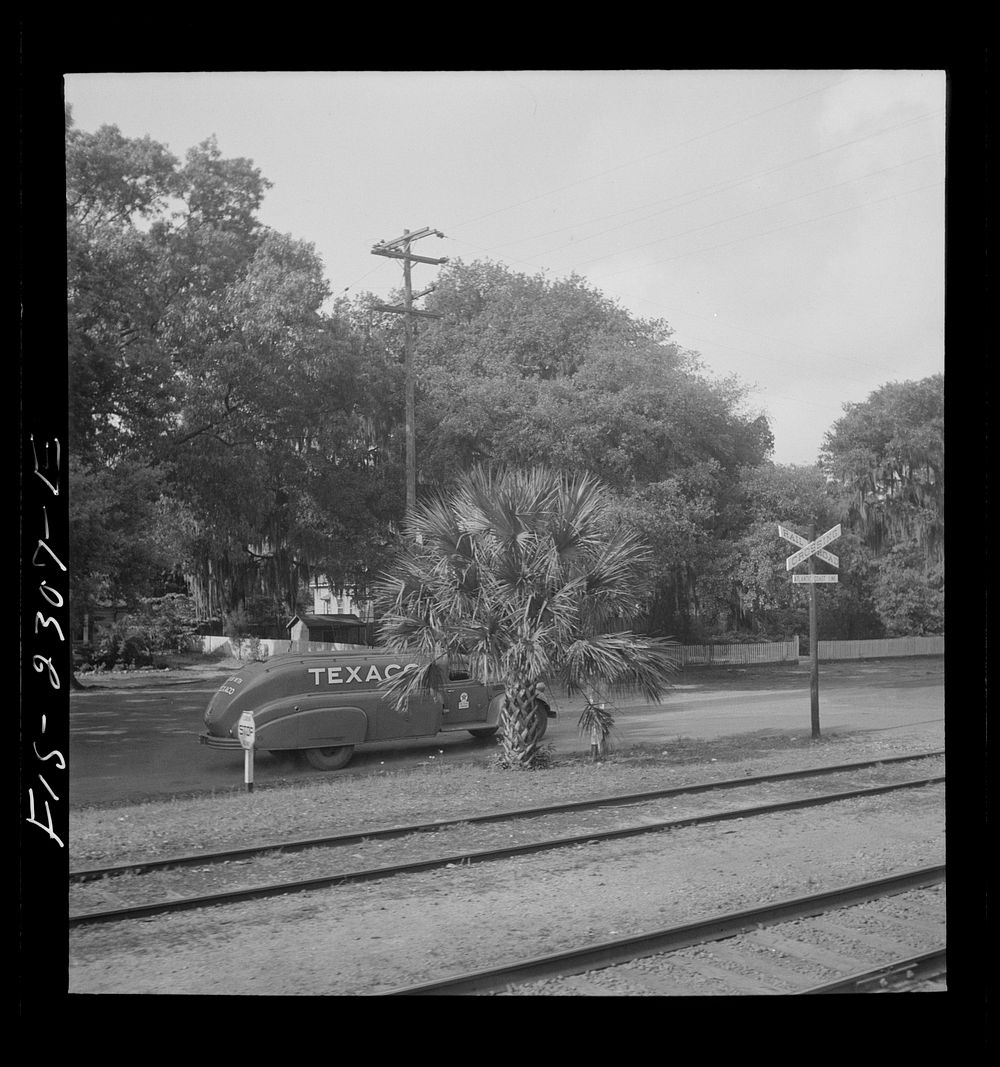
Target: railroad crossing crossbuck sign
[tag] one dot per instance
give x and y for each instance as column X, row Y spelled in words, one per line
column 811, row 548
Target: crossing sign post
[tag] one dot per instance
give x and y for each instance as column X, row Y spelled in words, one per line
column 811, row 549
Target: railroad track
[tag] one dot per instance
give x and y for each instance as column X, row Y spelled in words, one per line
column 817, row 944
column 646, row 825
column 86, row 874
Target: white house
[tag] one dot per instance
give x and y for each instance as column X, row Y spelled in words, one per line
column 330, row 601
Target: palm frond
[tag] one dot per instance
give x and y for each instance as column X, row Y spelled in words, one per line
column 620, row 663
column 428, row 677
column 597, row 722
column 438, row 529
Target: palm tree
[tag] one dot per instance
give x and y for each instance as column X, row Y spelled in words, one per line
column 524, row 577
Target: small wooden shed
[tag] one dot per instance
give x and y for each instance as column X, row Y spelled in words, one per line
column 329, row 629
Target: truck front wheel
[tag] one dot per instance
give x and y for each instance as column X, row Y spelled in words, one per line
column 485, row 731
column 329, row 759
column 543, row 718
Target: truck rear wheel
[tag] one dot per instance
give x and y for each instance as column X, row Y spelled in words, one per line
column 329, row 759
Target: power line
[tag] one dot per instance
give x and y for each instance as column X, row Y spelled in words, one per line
column 742, row 214
column 777, row 229
column 682, row 255
column 714, row 343
column 694, row 340
column 867, row 203
column 367, row 274
column 651, row 155
column 677, row 200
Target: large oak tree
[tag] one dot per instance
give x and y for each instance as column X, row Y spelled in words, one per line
column 208, row 383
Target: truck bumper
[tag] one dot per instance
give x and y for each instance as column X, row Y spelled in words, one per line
column 219, row 742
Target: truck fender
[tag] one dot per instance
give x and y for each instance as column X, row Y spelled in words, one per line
column 494, row 709
column 314, row 728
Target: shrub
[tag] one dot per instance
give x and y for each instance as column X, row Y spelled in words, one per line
column 161, row 624
column 909, row 596
column 249, row 649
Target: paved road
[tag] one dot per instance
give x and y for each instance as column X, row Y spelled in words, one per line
column 133, row 744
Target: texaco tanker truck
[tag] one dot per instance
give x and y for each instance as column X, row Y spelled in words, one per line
column 323, row 704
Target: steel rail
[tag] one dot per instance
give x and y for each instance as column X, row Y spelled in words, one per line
column 352, row 836
column 925, row 965
column 482, row 855
column 726, row 924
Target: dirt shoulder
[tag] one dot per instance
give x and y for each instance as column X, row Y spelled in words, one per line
column 438, row 790
column 178, row 673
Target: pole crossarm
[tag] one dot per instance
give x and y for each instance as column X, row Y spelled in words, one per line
column 392, row 254
column 397, row 310
column 427, row 231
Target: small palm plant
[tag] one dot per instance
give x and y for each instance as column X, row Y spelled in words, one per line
column 524, row 576
column 597, row 722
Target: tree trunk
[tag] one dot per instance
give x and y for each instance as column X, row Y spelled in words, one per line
column 521, row 725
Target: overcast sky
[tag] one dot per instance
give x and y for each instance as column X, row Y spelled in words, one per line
column 788, row 224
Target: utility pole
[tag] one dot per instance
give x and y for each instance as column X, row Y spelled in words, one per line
column 813, row 646
column 399, row 248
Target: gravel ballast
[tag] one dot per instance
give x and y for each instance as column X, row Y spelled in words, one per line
column 371, row 937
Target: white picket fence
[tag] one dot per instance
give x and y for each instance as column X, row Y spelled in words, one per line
column 765, row 652
column 879, row 649
column 798, row 648
column 265, row 646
